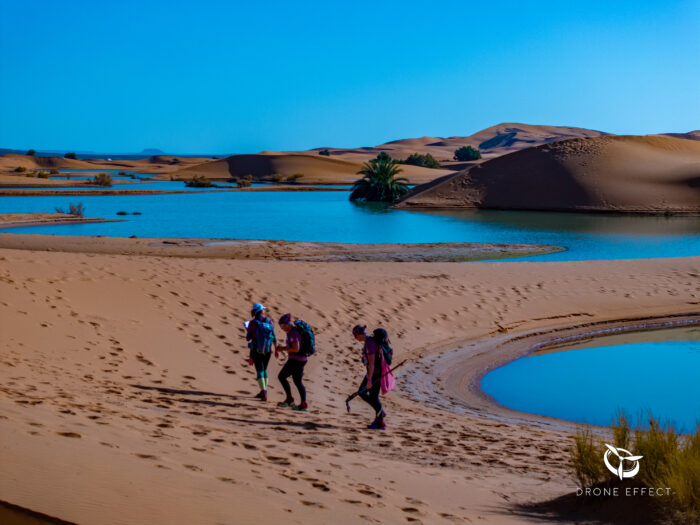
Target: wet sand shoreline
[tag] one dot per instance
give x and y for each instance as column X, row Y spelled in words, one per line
column 461, row 369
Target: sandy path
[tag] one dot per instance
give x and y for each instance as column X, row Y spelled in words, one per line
column 124, row 395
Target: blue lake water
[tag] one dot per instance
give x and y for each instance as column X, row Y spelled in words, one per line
column 329, row 216
column 646, row 372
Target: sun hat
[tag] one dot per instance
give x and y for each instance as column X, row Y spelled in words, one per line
column 358, row 329
column 285, row 319
column 257, row 308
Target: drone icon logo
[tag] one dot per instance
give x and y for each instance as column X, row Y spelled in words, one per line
column 620, row 470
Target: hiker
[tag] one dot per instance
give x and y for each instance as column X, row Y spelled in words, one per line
column 372, row 356
column 299, row 346
column 261, row 336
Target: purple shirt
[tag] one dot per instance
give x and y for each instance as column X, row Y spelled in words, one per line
column 370, row 348
column 293, row 336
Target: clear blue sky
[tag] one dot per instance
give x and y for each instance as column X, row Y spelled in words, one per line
column 222, row 76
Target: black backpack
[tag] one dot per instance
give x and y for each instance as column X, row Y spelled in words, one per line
column 381, row 338
column 308, row 342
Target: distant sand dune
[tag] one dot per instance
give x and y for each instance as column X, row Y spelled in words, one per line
column 652, row 174
column 493, row 142
column 157, row 163
column 317, row 169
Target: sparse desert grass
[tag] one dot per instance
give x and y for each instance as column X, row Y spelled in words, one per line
column 77, row 210
column 243, row 183
column 198, row 181
column 43, row 174
column 101, row 179
column 670, row 459
column 294, row 178
column 20, row 169
column 277, row 177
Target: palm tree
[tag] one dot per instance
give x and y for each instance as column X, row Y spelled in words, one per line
column 379, row 181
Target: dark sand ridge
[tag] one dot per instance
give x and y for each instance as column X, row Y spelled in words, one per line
column 650, row 174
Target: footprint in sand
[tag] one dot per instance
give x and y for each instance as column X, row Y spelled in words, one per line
column 145, row 456
column 69, row 434
column 312, row 504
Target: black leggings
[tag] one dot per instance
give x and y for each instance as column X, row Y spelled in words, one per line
column 260, row 361
column 371, row 396
column 295, row 369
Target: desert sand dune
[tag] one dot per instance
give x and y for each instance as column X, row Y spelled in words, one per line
column 691, row 135
column 493, row 142
column 125, row 396
column 155, row 164
column 650, row 174
column 317, row 169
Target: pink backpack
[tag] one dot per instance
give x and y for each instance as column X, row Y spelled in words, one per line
column 387, row 381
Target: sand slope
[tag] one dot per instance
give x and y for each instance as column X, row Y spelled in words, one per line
column 317, row 169
column 125, row 397
column 651, row 174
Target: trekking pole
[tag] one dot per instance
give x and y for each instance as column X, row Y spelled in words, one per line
column 364, row 388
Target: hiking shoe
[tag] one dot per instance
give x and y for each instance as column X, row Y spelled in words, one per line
column 377, row 425
column 260, row 394
column 287, row 403
column 263, row 397
column 302, row 408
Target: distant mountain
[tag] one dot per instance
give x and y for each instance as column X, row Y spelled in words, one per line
column 152, row 151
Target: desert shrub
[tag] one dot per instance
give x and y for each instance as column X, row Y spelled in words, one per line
column 77, row 210
column 248, row 177
column 466, row 153
column 43, row 174
column 31, row 174
column 31, row 153
column 101, row 179
column 20, row 169
column 669, row 459
column 324, row 152
column 243, row 183
column 294, row 178
column 198, row 181
column 71, row 155
column 175, row 161
column 586, row 457
column 277, row 177
column 54, row 171
column 427, row 160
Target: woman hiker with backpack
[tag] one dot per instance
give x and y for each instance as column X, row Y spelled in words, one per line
column 299, row 346
column 260, row 332
column 373, row 356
